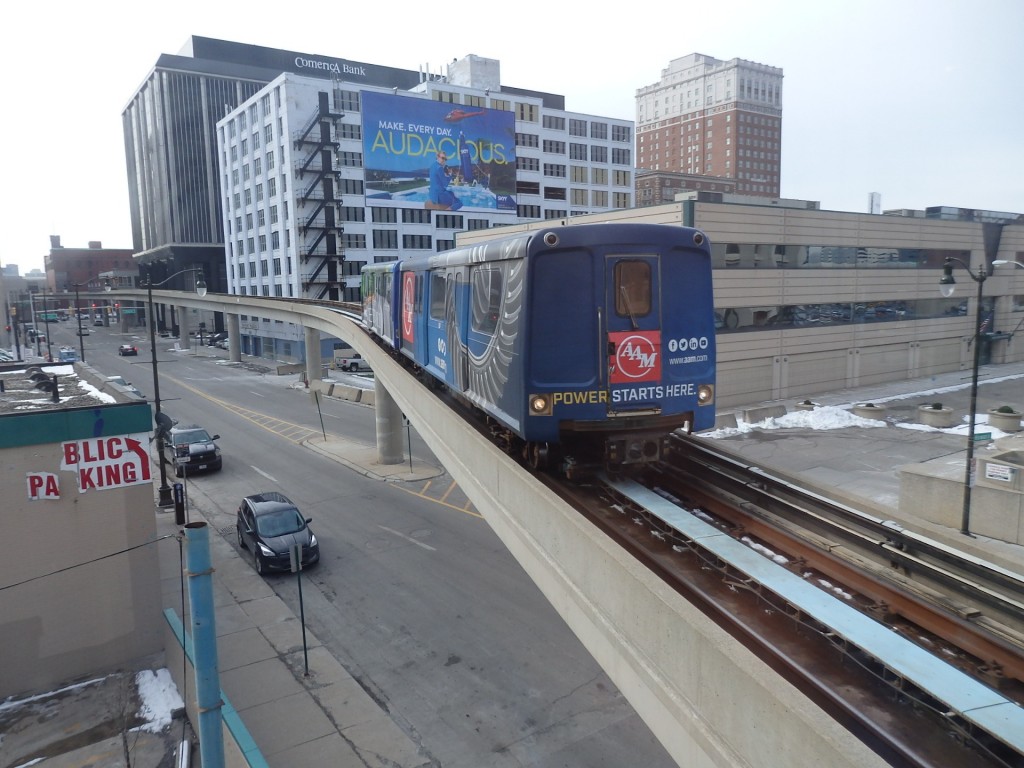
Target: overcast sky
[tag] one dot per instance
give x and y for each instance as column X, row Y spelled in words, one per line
column 919, row 100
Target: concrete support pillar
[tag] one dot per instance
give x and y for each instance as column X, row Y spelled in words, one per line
column 183, row 328
column 314, row 371
column 234, row 340
column 389, row 426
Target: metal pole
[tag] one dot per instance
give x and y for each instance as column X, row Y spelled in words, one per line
column 204, row 643
column 969, row 473
column 78, row 312
column 46, row 322
column 165, row 499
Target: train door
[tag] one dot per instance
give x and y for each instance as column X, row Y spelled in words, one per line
column 436, row 351
column 633, row 329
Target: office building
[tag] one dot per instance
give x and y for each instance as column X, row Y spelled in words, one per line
column 320, row 177
column 713, row 118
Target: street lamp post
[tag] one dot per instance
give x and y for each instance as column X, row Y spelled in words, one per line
column 78, row 312
column 947, row 285
column 162, row 421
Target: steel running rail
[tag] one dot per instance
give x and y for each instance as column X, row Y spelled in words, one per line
column 966, row 698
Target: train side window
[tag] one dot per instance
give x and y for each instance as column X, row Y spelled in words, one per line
column 486, row 292
column 632, row 288
column 437, row 284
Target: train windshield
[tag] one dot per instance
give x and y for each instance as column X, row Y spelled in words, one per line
column 633, row 289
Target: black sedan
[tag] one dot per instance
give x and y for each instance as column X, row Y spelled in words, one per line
column 269, row 525
column 127, row 349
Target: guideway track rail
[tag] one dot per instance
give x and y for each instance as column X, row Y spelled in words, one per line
column 971, row 706
column 972, row 603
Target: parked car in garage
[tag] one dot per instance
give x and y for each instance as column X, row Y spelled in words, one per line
column 192, row 449
column 126, row 350
column 269, row 525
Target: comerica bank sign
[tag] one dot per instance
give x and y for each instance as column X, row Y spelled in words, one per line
column 338, row 68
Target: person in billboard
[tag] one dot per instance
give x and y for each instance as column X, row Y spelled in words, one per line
column 440, row 198
column 465, row 162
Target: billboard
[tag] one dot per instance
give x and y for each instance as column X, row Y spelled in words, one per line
column 443, row 157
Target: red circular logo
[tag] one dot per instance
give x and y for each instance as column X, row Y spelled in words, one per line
column 636, row 357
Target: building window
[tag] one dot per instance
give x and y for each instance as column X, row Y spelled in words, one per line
column 527, row 163
column 620, row 200
column 475, row 224
column 385, row 238
column 599, row 198
column 352, row 240
column 554, row 147
column 268, row 133
column 257, row 166
column 351, row 159
column 577, row 127
column 622, row 133
column 259, row 192
column 555, row 213
column 263, row 245
column 446, row 96
column 443, row 245
column 261, row 218
column 272, row 186
column 579, row 196
column 621, row 156
column 270, row 160
column 503, row 104
column 528, row 211
column 599, row 130
column 621, row 179
column 526, row 112
column 527, row 188
column 248, row 221
column 554, row 193
column 350, row 131
column 384, row 215
column 527, row 140
column 555, row 170
column 351, row 186
column 417, row 242
column 474, row 101
column 273, row 214
column 415, row 216
column 579, row 174
column 353, row 213
column 599, row 154
column 577, row 151
column 347, row 101
column 256, row 140
column 275, row 240
column 448, row 221
column 554, row 123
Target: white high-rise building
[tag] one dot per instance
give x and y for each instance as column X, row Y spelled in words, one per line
column 318, row 177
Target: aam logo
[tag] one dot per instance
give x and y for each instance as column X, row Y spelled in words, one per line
column 637, row 356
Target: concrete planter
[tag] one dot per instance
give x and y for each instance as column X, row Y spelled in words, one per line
column 1005, row 422
column 940, row 418
column 869, row 411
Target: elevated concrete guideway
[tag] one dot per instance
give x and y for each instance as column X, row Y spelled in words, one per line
column 705, row 697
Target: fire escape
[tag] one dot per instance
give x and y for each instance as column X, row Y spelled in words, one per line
column 320, row 253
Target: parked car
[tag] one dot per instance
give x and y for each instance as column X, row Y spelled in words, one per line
column 127, row 349
column 213, row 338
column 192, row 449
column 268, row 525
column 222, row 344
column 67, row 355
column 83, row 331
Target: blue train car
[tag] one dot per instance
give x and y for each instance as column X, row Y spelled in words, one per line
column 585, row 345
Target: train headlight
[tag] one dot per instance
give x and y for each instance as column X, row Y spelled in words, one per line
column 540, row 405
column 705, row 394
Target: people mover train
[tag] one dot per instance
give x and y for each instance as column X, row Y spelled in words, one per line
column 582, row 346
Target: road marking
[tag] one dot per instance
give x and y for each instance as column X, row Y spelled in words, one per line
column 256, row 393
column 407, row 538
column 257, row 469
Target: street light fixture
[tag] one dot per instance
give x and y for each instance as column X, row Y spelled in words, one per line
column 78, row 310
column 947, row 285
column 163, row 423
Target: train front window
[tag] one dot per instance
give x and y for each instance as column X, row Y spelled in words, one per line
column 632, row 288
